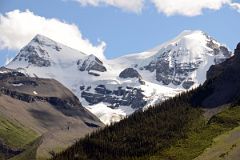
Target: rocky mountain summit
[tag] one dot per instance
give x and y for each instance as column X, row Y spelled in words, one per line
column 177, row 61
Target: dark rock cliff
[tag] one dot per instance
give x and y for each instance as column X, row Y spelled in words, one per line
column 223, row 82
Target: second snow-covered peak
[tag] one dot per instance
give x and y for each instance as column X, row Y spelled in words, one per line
column 190, row 46
column 184, row 38
column 181, row 62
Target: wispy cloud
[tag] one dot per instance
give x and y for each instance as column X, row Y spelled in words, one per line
column 235, row 6
column 127, row 5
column 18, row 28
column 188, row 8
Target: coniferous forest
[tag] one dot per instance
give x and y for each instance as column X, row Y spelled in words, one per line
column 175, row 129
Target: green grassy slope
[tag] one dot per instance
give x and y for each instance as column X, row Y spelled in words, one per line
column 30, row 152
column 225, row 146
column 201, row 135
column 15, row 136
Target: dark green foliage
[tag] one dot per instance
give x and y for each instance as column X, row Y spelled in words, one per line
column 201, row 93
column 172, row 130
column 139, row 135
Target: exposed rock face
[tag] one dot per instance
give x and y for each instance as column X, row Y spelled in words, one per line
column 93, row 74
column 6, row 73
column 38, row 61
column 34, row 55
column 164, row 73
column 44, row 41
column 132, row 73
column 222, row 83
column 122, row 97
column 237, row 50
column 178, row 62
column 188, row 84
column 129, row 73
column 172, row 72
column 91, row 63
column 67, row 106
column 218, row 50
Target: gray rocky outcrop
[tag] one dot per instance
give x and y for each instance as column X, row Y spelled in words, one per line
column 120, row 97
column 91, row 63
column 129, row 73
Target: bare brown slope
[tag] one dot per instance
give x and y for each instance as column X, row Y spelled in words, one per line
column 47, row 107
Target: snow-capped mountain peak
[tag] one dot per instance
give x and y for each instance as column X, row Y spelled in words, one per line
column 44, row 52
column 182, row 61
column 184, row 35
column 112, row 89
column 44, row 41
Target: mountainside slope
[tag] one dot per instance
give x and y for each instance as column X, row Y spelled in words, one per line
column 46, row 108
column 225, row 146
column 112, row 89
column 223, row 85
column 175, row 129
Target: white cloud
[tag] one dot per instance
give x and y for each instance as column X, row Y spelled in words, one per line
column 127, row 5
column 187, row 7
column 168, row 7
column 18, row 28
column 235, row 6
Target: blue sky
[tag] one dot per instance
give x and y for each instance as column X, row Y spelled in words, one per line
column 125, row 31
